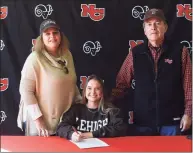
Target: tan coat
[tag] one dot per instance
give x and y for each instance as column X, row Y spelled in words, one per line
column 44, row 82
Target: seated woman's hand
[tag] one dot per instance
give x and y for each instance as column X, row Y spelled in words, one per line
column 76, row 137
column 41, row 127
column 87, row 135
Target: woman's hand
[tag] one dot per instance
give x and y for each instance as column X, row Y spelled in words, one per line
column 87, row 135
column 41, row 127
column 76, row 137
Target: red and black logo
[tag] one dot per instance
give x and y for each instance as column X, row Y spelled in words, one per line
column 184, row 11
column 133, row 43
column 4, row 84
column 90, row 10
column 82, row 81
column 3, row 12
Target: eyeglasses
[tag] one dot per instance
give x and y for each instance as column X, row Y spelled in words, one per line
column 63, row 63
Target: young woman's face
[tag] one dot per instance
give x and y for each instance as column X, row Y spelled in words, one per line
column 94, row 91
column 51, row 38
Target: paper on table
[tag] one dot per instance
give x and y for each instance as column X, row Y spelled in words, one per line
column 3, row 150
column 90, row 143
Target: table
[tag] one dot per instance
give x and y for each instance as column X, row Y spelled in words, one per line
column 128, row 143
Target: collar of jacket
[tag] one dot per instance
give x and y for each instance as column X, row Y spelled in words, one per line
column 164, row 45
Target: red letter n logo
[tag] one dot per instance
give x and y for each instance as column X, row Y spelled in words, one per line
column 184, row 10
column 96, row 14
column 83, row 81
column 4, row 84
column 133, row 43
column 3, row 12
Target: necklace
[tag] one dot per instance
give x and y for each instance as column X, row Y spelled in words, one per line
column 58, row 62
column 93, row 110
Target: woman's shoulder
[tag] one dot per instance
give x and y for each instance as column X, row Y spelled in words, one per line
column 33, row 56
column 33, row 59
column 67, row 54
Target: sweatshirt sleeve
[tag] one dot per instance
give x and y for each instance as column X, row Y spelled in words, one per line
column 115, row 127
column 68, row 120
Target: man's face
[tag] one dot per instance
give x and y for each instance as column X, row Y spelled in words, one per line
column 154, row 29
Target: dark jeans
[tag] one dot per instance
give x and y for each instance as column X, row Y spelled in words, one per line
column 23, row 127
column 160, row 130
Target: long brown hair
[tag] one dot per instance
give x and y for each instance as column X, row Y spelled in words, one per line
column 104, row 106
column 64, row 44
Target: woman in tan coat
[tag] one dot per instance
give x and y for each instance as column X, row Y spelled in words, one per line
column 48, row 82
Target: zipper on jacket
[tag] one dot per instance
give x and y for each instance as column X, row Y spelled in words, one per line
column 155, row 82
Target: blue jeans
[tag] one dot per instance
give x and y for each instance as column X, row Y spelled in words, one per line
column 160, row 130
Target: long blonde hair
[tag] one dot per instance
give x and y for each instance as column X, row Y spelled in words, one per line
column 104, row 106
column 64, row 44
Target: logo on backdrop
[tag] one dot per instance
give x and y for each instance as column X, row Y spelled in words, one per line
column 3, row 116
column 4, row 84
column 3, row 12
column 92, row 48
column 133, row 43
column 43, row 10
column 33, row 41
column 188, row 45
column 2, row 45
column 133, row 84
column 82, row 81
column 130, row 114
column 184, row 11
column 90, row 10
column 139, row 11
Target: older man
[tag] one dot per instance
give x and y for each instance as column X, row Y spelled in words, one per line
column 163, row 81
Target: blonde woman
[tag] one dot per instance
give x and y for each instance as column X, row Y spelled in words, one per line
column 94, row 117
column 48, row 82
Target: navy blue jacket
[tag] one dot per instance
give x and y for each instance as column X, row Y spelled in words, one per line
column 159, row 97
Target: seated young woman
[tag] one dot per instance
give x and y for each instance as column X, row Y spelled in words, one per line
column 94, row 117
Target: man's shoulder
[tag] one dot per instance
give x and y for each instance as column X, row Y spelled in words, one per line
column 139, row 48
column 174, row 45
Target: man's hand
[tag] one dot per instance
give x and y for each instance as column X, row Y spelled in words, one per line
column 185, row 123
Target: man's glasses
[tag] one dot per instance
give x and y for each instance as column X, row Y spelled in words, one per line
column 63, row 63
